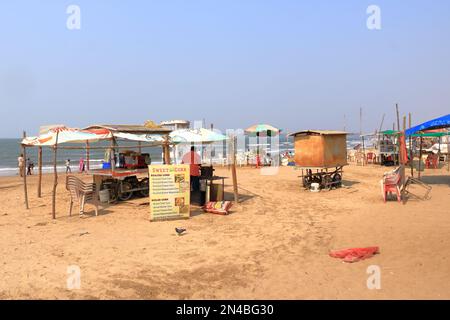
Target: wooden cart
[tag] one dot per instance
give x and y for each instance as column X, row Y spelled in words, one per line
column 121, row 183
column 321, row 155
column 327, row 179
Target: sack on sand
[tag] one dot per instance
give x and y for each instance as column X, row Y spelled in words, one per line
column 218, row 207
column 354, row 254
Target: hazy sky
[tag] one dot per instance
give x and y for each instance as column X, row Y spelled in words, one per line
column 293, row 64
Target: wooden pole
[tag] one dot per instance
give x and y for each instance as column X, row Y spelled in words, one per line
column 139, row 147
column 55, row 176
column 88, row 155
column 398, row 117
column 166, row 151
column 439, row 152
column 24, row 172
column 364, row 152
column 39, row 189
column 420, row 157
column 448, row 153
column 112, row 154
column 411, row 153
column 233, row 171
column 402, row 156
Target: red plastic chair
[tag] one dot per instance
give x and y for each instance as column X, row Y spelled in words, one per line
column 370, row 157
column 391, row 184
column 258, row 161
column 431, row 162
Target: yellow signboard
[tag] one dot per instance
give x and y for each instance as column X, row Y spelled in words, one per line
column 169, row 191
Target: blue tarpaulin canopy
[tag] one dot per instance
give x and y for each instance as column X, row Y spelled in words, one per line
column 438, row 123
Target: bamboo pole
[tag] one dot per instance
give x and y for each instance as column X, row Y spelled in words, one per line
column 411, row 153
column 112, row 154
column 39, row 190
column 233, row 171
column 24, row 172
column 439, row 152
column 364, row 152
column 420, row 157
column 166, row 151
column 448, row 153
column 401, row 155
column 55, row 176
column 398, row 137
column 88, row 155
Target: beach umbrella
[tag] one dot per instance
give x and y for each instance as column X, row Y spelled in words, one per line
column 199, row 135
column 261, row 128
column 60, row 135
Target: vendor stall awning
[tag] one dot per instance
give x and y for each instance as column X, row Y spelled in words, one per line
column 200, row 135
column 66, row 135
column 150, row 138
column 438, row 123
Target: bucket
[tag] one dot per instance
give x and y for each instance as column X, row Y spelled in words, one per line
column 315, row 187
column 104, row 195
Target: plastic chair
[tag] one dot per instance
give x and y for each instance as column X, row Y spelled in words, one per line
column 391, row 184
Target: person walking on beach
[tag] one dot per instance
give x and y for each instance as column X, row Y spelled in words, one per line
column 193, row 159
column 68, row 169
column 21, row 163
column 82, row 166
column 30, row 167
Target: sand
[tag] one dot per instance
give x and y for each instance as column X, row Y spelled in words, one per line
column 274, row 245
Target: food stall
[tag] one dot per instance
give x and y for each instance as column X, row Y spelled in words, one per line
column 124, row 171
column 211, row 185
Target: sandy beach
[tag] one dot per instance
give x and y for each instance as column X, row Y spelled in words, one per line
column 274, row 244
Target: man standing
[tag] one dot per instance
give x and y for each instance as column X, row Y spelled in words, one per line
column 21, row 162
column 68, row 169
column 30, row 167
column 193, row 159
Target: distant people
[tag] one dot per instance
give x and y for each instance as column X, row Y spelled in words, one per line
column 68, row 169
column 193, row 159
column 30, row 167
column 268, row 160
column 21, row 164
column 82, row 166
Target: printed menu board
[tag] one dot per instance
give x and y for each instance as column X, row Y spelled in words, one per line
column 169, row 192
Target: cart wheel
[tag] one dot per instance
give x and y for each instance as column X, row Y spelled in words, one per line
column 145, row 185
column 317, row 179
column 113, row 195
column 123, row 193
column 337, row 179
column 307, row 182
column 327, row 182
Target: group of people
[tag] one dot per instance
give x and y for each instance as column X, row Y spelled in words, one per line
column 30, row 166
column 81, row 166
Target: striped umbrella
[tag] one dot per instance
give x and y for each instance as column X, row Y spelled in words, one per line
column 258, row 128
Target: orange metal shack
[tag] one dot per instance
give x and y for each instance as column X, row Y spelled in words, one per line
column 320, row 148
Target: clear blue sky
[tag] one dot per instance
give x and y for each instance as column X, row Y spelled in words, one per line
column 294, row 64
